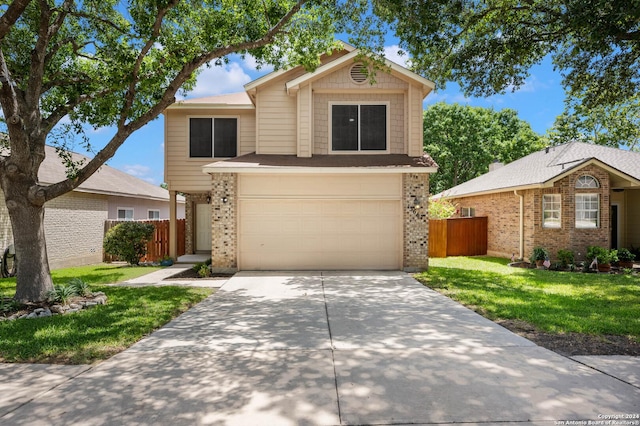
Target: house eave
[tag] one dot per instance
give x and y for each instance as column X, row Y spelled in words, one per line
column 212, row 168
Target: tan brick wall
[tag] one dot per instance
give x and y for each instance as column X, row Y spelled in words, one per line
column 224, row 233
column 503, row 218
column 190, row 218
column 503, row 221
column 416, row 221
column 74, row 229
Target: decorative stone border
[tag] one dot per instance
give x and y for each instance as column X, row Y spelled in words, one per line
column 97, row 298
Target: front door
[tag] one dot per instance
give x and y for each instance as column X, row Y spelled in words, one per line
column 203, row 227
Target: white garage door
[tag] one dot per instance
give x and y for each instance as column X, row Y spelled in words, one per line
column 332, row 230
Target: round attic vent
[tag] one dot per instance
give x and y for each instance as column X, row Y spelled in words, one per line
column 358, row 73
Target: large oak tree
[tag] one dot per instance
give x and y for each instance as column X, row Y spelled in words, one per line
column 119, row 64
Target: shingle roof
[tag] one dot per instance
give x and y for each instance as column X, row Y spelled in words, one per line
column 543, row 166
column 228, row 100
column 106, row 180
column 385, row 161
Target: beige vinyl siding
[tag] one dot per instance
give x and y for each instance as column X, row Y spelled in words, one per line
column 396, row 117
column 304, row 121
column 415, row 129
column 277, row 119
column 632, row 202
column 185, row 174
column 6, row 233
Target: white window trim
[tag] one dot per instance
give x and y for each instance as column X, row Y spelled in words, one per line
column 587, row 187
column 467, row 212
column 133, row 213
column 387, row 104
column 559, row 210
column 598, row 211
column 153, row 210
column 238, row 144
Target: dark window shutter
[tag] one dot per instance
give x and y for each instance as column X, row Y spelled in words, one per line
column 344, row 127
column 373, row 127
column 225, row 132
column 200, row 137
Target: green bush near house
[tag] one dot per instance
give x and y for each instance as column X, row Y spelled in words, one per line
column 128, row 241
column 566, row 257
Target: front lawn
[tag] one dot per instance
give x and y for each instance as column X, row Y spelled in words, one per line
column 100, row 332
column 552, row 302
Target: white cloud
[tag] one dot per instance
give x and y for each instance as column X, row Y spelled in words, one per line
column 137, row 170
column 216, row 80
column 391, row 53
column 251, row 64
column 435, row 97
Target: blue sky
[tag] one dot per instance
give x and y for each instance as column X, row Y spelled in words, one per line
column 538, row 102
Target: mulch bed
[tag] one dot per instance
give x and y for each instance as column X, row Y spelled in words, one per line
column 571, row 344
column 191, row 274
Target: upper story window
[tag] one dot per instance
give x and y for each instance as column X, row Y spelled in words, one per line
column 587, row 182
column 551, row 211
column 359, row 127
column 125, row 213
column 213, row 137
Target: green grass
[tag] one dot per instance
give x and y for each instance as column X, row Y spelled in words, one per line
column 98, row 333
column 556, row 302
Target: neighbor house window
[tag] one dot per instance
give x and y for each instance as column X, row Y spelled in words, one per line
column 467, row 212
column 213, row 137
column 154, row 214
column 359, row 127
column 587, row 210
column 551, row 210
column 587, row 182
column 125, row 213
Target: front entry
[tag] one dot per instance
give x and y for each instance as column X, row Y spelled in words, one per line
column 203, row 227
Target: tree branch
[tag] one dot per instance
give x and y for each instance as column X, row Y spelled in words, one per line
column 131, row 91
column 9, row 18
column 125, row 130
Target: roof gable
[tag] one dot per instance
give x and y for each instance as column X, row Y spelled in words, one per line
column 543, row 168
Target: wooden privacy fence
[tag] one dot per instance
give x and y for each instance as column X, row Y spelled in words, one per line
column 159, row 244
column 461, row 236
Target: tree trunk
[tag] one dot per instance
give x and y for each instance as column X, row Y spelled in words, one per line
column 32, row 264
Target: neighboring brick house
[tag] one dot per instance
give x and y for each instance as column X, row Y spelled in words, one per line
column 74, row 222
column 564, row 197
column 321, row 170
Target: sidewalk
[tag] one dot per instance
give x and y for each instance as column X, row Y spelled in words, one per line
column 160, row 278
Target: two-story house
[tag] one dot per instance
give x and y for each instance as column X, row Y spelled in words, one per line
column 305, row 170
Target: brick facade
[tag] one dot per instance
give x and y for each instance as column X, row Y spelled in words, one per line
column 415, row 193
column 74, row 229
column 224, row 233
column 503, row 212
column 190, row 217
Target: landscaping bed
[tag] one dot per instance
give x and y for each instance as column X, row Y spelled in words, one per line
column 569, row 313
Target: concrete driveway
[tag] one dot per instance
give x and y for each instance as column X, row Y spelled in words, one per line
column 326, row 348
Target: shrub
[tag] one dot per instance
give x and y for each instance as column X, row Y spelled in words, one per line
column 128, row 241
column 539, row 253
column 80, row 287
column 440, row 208
column 62, row 294
column 9, row 305
column 625, row 255
column 566, row 257
column 203, row 271
column 604, row 255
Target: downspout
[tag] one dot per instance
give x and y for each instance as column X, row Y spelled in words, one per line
column 521, row 256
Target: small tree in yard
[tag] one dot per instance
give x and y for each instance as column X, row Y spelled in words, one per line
column 128, row 241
